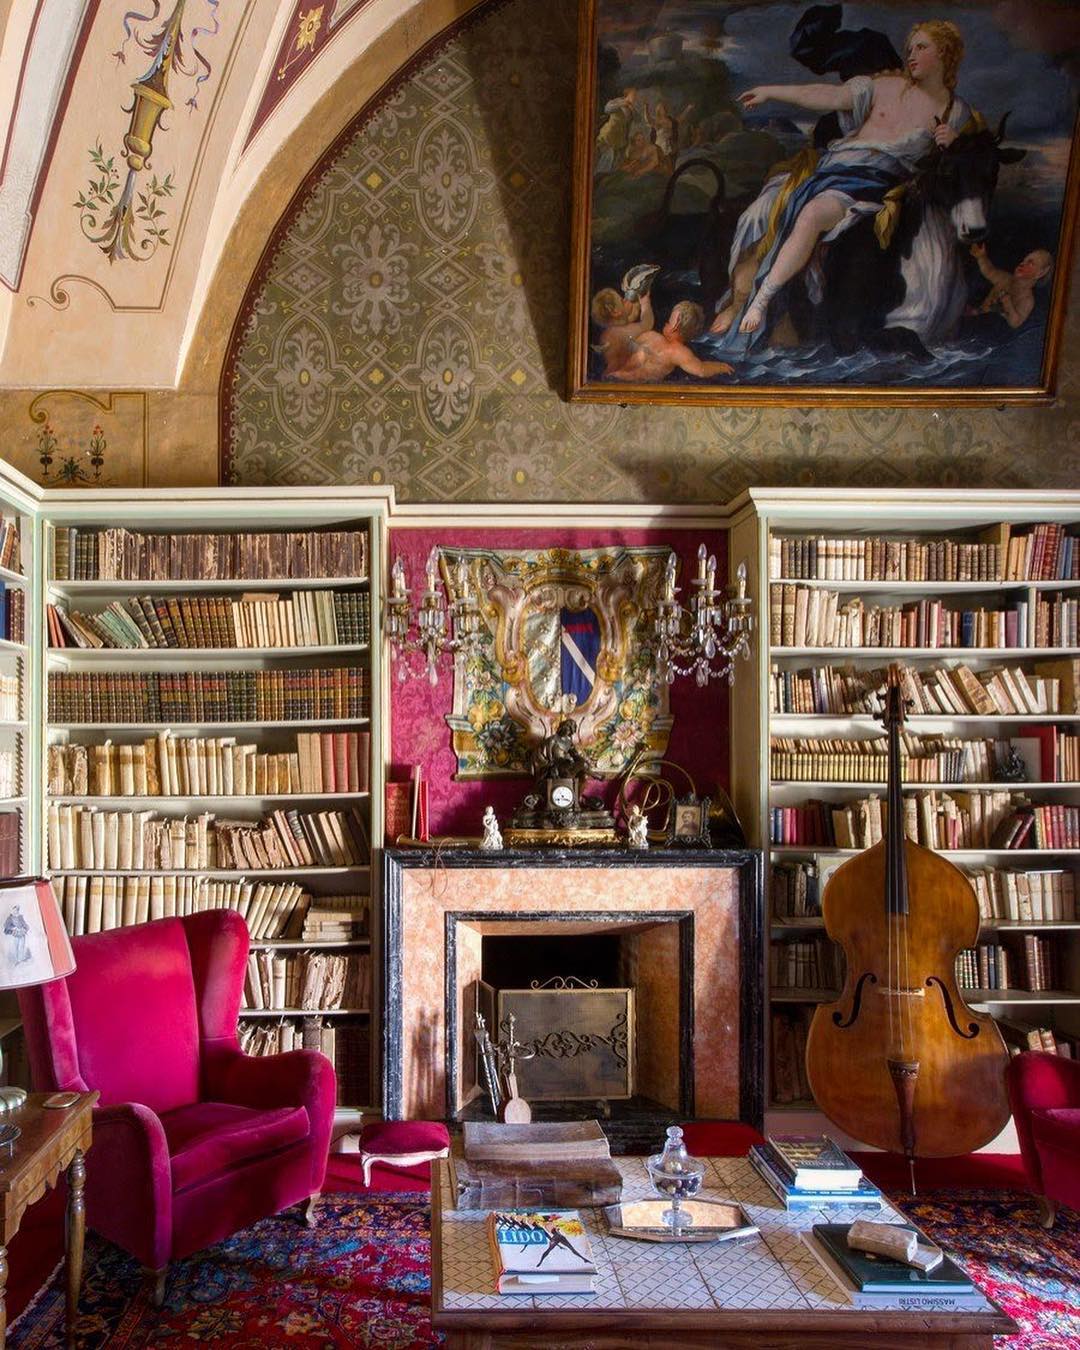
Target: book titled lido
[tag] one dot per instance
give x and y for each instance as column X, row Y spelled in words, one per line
column 541, row 1252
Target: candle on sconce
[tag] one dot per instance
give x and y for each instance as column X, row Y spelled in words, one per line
column 701, row 562
column 741, row 581
column 712, row 572
column 432, row 568
column 397, row 579
column 461, row 573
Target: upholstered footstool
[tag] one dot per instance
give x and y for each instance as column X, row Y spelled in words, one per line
column 401, row 1143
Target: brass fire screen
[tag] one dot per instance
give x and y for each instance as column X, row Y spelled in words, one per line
column 583, row 1038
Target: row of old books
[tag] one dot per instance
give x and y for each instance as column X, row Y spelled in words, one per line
column 1049, row 755
column 1044, row 552
column 1003, row 894
column 337, row 918
column 12, row 613
column 10, row 544
column 94, row 904
column 185, row 766
column 86, row 837
column 10, row 843
column 330, row 693
column 314, row 981
column 789, row 1026
column 305, row 619
column 120, row 554
column 1009, row 895
column 1028, row 963
column 1051, row 687
column 809, row 616
column 875, row 558
column 795, row 890
column 346, row 1044
column 10, row 699
column 1020, row 1036
column 804, row 963
column 1057, row 621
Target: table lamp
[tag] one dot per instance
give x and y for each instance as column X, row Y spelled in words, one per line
column 34, row 947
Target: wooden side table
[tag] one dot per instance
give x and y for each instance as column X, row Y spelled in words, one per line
column 52, row 1141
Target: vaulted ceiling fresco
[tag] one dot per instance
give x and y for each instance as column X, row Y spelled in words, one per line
column 172, row 166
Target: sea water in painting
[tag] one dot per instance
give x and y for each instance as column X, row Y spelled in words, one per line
column 828, row 195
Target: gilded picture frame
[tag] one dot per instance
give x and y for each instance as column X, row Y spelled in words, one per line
column 734, row 244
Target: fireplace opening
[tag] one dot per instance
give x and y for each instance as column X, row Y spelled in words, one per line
column 602, row 1006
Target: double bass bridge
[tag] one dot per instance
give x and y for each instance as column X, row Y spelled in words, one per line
column 888, row 991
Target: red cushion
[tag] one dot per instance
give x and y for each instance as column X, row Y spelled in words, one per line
column 1058, row 1127
column 718, row 1138
column 208, row 1138
column 388, row 1138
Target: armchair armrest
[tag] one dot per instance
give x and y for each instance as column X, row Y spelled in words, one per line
column 1036, row 1082
column 129, row 1181
column 297, row 1078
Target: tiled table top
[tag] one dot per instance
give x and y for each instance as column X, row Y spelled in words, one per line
column 773, row 1271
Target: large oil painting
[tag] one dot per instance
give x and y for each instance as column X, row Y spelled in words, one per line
column 781, row 202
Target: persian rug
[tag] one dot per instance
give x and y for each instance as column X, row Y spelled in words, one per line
column 361, row 1278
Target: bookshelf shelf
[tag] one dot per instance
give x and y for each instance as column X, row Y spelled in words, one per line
column 299, row 945
column 867, row 786
column 11, row 725
column 165, row 587
column 10, row 578
column 1061, row 997
column 208, row 799
column 920, row 588
column 794, row 720
column 17, row 648
column 950, row 534
column 920, row 653
column 215, row 874
column 230, row 655
column 211, row 726
column 304, row 1012
column 803, row 850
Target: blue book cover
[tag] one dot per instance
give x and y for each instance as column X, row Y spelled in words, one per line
column 865, row 1194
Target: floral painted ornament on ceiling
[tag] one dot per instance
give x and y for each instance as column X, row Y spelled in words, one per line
column 129, row 224
column 565, row 631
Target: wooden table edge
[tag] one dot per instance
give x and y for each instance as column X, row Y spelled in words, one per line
column 997, row 1322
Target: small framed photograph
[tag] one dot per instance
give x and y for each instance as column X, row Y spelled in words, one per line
column 689, row 823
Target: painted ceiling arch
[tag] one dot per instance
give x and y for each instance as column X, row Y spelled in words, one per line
column 134, row 139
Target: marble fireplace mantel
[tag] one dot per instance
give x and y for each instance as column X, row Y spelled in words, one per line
column 707, row 903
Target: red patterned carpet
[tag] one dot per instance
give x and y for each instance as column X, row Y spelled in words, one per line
column 361, row 1277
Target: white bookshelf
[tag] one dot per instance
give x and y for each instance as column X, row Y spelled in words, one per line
column 848, row 513
column 200, row 511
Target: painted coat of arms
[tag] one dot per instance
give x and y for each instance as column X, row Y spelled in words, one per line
column 567, row 631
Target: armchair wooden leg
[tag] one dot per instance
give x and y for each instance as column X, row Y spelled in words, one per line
column 1047, row 1211
column 310, row 1217
column 154, row 1284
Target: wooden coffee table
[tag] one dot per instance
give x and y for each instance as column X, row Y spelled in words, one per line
column 767, row 1292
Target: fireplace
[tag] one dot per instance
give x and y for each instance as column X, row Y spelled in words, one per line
column 675, row 935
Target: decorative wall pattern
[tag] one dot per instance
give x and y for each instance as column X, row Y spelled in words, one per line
column 409, row 325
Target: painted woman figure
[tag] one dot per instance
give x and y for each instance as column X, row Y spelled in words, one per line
column 890, row 122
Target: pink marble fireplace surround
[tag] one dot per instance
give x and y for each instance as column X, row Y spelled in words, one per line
column 693, row 911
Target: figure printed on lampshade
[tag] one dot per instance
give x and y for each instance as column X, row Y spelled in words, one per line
column 16, row 930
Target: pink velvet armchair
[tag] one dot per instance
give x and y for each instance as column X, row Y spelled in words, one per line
column 1044, row 1092
column 193, row 1140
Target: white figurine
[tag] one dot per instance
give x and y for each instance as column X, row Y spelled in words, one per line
column 492, row 839
column 637, row 828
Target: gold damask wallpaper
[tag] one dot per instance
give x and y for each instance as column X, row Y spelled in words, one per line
column 411, row 323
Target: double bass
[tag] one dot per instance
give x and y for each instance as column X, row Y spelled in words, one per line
column 900, row 1061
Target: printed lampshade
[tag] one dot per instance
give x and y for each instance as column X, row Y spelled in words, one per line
column 34, row 945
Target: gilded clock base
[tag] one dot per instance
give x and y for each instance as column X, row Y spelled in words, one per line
column 567, row 838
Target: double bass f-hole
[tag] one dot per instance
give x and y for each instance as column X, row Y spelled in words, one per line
column 946, row 998
column 856, row 1002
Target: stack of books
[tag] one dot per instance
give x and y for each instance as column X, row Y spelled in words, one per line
column 541, row 1252
column 811, row 1173
column 867, row 1280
